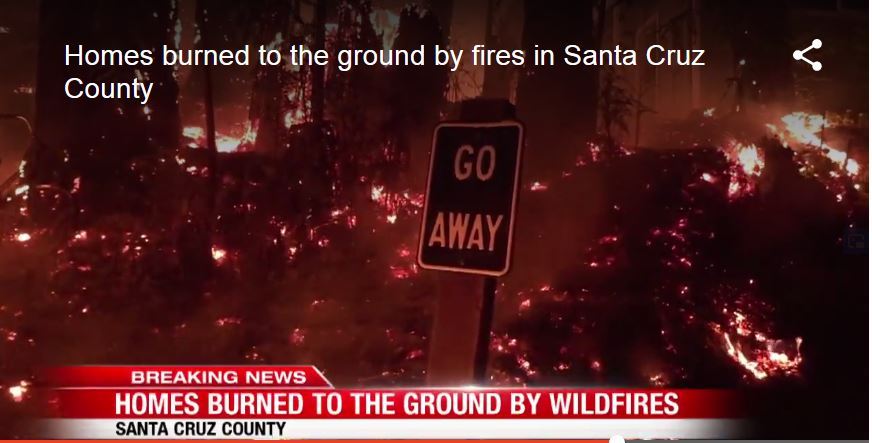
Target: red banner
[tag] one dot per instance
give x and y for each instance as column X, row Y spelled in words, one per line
column 189, row 376
column 245, row 403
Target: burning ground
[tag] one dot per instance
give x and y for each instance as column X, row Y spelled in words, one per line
column 738, row 265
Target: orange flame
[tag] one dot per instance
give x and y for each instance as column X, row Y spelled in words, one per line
column 804, row 129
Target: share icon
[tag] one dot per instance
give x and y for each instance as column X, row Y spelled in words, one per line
column 800, row 55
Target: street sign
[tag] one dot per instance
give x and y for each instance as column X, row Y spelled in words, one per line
column 472, row 190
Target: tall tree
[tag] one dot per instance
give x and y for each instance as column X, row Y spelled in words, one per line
column 504, row 32
column 267, row 99
column 557, row 103
column 320, row 41
column 95, row 142
column 416, row 93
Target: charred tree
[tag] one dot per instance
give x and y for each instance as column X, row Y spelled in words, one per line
column 417, row 92
column 104, row 146
column 442, row 10
column 360, row 135
column 501, row 33
column 320, row 39
column 267, row 98
column 557, row 103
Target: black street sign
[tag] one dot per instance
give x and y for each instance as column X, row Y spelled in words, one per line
column 472, row 189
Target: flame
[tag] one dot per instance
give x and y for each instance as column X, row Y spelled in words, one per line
column 232, row 144
column 224, row 142
column 739, row 356
column 228, row 321
column 219, row 255
column 750, row 347
column 386, row 24
column 17, row 392
column 297, row 336
column 750, row 160
column 376, row 192
column 396, row 204
column 194, row 132
column 852, row 167
column 294, row 117
column 805, row 129
column 748, row 164
column 538, row 186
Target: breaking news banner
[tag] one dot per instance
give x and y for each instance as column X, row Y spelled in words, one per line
column 298, row 402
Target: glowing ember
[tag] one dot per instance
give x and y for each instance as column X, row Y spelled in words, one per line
column 297, row 336
column 806, row 130
column 395, row 204
column 754, row 351
column 750, row 160
column 224, row 142
column 228, row 321
column 219, row 255
column 538, row 186
column 17, row 392
column 294, row 117
column 22, row 237
column 376, row 192
column 403, row 273
column 747, row 165
column 658, row 380
column 194, row 132
column 232, row 144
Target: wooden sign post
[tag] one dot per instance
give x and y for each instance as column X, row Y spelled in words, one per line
column 468, row 227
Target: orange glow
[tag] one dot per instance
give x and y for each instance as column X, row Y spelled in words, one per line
column 219, row 255
column 17, row 392
column 750, row 160
column 805, row 130
column 224, row 142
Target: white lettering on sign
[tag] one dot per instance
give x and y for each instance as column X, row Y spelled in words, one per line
column 461, row 234
column 485, row 162
column 462, row 174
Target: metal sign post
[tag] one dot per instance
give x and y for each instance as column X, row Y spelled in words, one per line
column 467, row 227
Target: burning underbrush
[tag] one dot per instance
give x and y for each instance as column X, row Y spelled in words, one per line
column 708, row 267
column 694, row 268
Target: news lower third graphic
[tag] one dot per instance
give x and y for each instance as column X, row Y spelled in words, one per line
column 233, row 402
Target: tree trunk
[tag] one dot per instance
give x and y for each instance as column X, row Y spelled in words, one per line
column 317, row 70
column 267, row 98
column 94, row 142
column 557, row 103
column 503, row 32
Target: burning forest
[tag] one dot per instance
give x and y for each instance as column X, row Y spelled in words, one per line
column 279, row 224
